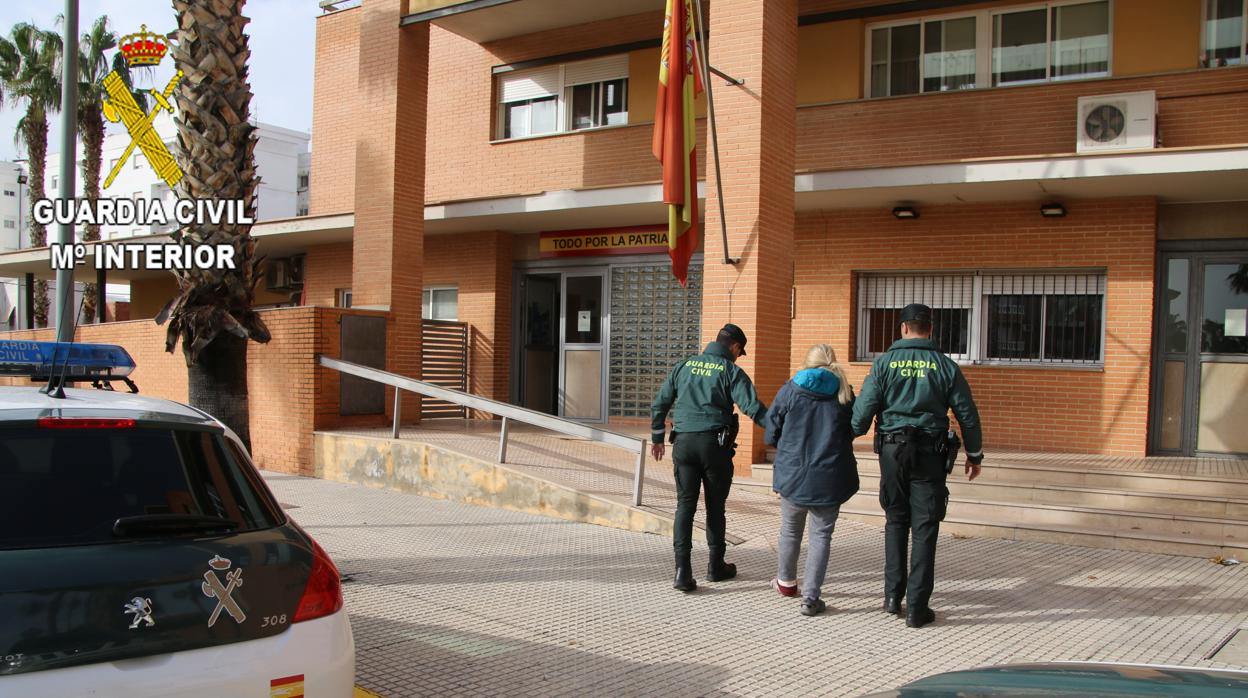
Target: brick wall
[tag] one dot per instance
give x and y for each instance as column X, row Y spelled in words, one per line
column 465, row 165
column 479, row 265
column 289, row 394
column 1201, row 107
column 326, row 268
column 756, row 42
column 157, row 372
column 1031, row 408
column 1198, row 108
column 388, row 244
column 334, row 116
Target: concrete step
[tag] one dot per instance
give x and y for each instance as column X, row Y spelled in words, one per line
column 1059, row 475
column 1202, row 531
column 1021, row 492
column 754, row 484
column 1122, row 510
column 962, row 525
column 1113, row 499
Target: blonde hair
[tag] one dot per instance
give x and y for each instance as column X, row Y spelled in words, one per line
column 824, row 356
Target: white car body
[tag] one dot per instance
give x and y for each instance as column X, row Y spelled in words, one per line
column 320, row 650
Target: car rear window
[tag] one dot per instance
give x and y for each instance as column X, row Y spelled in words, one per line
column 69, row 486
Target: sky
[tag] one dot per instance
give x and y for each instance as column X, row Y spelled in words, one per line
column 283, row 38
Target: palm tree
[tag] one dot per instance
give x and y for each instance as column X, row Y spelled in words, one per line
column 93, row 65
column 30, row 74
column 212, row 313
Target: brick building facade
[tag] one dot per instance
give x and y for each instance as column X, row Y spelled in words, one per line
column 869, row 159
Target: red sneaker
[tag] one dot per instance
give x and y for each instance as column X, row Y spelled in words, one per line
column 784, row 589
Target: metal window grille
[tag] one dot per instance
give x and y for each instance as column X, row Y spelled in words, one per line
column 881, row 298
column 1044, row 318
column 654, row 324
column 992, row 317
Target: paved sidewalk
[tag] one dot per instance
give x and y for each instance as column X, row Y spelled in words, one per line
column 452, row 599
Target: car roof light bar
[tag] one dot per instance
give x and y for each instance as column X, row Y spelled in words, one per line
column 79, row 362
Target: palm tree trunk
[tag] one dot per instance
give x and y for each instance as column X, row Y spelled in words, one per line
column 217, row 384
column 35, row 133
column 212, row 314
column 91, row 124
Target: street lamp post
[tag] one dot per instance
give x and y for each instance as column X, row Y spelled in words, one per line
column 69, row 151
column 26, row 302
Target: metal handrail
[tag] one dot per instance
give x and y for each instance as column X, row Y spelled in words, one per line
column 501, row 409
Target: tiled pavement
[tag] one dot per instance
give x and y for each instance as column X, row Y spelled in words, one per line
column 452, row 599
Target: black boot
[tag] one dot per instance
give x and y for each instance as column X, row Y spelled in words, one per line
column 684, row 575
column 892, row 604
column 718, row 570
column 919, row 617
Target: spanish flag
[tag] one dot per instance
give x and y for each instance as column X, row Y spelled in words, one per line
column 675, row 134
column 287, row 687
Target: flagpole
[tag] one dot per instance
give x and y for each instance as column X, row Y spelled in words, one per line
column 710, row 112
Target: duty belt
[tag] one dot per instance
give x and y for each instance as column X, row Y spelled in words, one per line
column 904, row 437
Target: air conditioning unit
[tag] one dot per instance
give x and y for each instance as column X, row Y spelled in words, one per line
column 285, row 274
column 1126, row 121
column 278, row 276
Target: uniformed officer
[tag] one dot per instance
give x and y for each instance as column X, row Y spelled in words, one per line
column 700, row 392
column 911, row 389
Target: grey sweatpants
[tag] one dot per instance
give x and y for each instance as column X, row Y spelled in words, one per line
column 820, row 522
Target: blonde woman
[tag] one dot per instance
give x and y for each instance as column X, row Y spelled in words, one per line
column 815, row 470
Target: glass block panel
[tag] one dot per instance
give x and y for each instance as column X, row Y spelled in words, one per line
column 654, row 324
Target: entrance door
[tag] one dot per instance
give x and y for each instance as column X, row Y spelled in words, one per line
column 583, row 349
column 539, row 342
column 1202, row 358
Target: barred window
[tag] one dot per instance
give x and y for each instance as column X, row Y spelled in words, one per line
column 881, row 298
column 991, row 317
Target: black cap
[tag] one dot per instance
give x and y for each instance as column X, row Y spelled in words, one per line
column 916, row 312
column 734, row 333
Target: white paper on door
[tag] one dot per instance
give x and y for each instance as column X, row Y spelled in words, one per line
column 582, row 320
column 1236, row 322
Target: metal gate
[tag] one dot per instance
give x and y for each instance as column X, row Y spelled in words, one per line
column 444, row 362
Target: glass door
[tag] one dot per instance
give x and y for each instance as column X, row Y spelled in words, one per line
column 1223, row 389
column 583, row 346
column 1201, row 384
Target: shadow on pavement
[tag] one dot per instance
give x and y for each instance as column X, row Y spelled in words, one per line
column 400, row 659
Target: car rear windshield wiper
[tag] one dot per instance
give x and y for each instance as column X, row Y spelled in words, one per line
column 149, row 524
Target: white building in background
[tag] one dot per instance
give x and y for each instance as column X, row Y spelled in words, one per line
column 305, row 176
column 283, row 163
column 279, row 153
column 12, row 236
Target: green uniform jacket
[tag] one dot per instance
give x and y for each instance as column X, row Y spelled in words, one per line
column 700, row 391
column 914, row 384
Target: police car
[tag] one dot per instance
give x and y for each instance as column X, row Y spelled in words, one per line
column 141, row 554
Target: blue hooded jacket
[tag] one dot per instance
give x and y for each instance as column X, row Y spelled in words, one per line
column 815, row 464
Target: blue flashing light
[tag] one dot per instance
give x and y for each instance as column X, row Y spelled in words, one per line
column 78, row 362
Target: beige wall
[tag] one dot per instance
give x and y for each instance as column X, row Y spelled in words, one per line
column 148, row 296
column 1203, row 221
column 829, row 61
column 1155, row 36
column 643, row 86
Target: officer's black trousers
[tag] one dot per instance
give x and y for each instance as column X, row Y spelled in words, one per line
column 914, row 498
column 701, row 463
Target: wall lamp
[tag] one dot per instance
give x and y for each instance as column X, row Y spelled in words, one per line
column 1053, row 210
column 905, row 212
